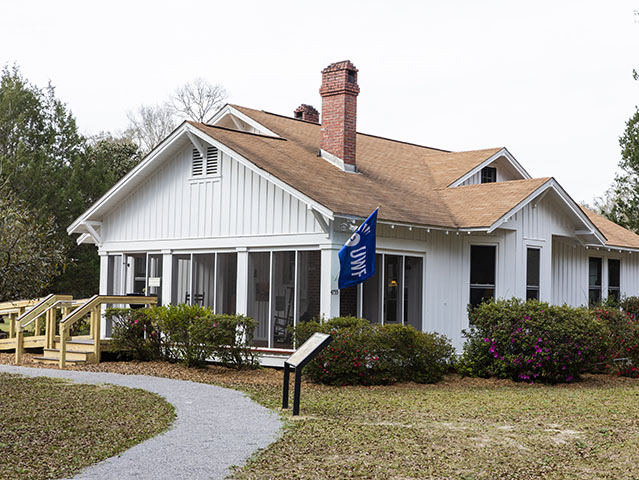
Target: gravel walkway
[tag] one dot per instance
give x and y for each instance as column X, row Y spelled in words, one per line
column 215, row 428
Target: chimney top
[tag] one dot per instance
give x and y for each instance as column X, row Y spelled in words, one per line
column 307, row 113
column 339, row 92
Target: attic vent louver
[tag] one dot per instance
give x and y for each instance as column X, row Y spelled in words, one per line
column 198, row 165
column 212, row 156
column 200, row 168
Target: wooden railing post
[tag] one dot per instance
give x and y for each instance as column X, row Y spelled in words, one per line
column 12, row 324
column 19, row 344
column 97, row 315
column 63, row 346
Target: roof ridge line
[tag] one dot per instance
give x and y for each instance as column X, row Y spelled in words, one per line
column 271, row 137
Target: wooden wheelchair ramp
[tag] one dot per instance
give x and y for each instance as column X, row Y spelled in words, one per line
column 57, row 315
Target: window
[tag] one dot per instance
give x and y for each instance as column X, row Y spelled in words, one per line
column 594, row 280
column 488, row 175
column 532, row 273
column 482, row 273
column 351, row 76
column 201, row 168
column 614, row 267
column 393, row 295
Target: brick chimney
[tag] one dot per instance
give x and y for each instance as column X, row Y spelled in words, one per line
column 339, row 112
column 306, row 112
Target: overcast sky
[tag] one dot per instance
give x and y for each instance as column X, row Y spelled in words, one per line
column 550, row 80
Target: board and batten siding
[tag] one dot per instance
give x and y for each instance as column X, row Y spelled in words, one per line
column 173, row 205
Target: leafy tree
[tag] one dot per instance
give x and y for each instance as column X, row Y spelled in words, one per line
column 39, row 142
column 53, row 174
column 621, row 202
column 30, row 252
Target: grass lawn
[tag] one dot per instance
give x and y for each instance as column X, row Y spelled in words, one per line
column 458, row 428
column 51, row 428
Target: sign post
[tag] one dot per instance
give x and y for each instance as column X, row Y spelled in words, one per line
column 307, row 352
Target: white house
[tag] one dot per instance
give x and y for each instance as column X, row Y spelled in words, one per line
column 246, row 215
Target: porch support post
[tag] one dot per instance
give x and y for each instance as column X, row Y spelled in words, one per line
column 241, row 306
column 167, row 277
column 329, row 293
column 103, row 289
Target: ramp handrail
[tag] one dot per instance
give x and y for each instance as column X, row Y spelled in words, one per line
column 92, row 306
column 39, row 309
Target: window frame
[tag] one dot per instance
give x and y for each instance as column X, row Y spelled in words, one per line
column 530, row 287
column 471, row 285
column 593, row 287
column 616, row 288
column 488, row 174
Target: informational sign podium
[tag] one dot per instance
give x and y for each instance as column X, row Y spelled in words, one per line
column 307, row 352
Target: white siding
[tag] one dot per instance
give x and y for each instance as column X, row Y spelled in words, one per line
column 170, row 205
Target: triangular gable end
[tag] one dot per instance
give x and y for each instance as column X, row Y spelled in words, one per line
column 184, row 135
column 589, row 232
column 230, row 117
column 504, row 159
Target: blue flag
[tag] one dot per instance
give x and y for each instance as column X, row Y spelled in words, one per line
column 357, row 256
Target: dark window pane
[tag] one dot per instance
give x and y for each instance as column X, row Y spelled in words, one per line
column 532, row 267
column 393, row 278
column 594, row 272
column 482, row 265
column 488, row 175
column 532, row 294
column 371, row 294
column 594, row 295
column 479, row 295
column 613, row 272
column 613, row 294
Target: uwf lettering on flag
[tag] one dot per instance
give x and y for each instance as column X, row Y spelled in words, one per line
column 357, row 256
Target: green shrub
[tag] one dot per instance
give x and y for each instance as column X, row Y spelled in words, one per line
column 533, row 341
column 630, row 305
column 232, row 337
column 370, row 354
column 133, row 335
column 189, row 334
column 623, row 356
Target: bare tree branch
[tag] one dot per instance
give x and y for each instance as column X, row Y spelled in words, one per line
column 148, row 126
column 198, row 100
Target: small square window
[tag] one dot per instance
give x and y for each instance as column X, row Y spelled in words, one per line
column 488, row 175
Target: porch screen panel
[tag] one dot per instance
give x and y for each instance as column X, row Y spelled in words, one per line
column 226, row 283
column 258, row 295
column 309, row 269
column 203, row 280
column 393, row 280
column 181, row 279
column 282, row 299
column 114, row 275
column 371, row 292
column 155, row 271
column 482, row 273
column 594, row 280
column 413, row 288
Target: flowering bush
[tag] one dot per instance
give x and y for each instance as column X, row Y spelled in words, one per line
column 630, row 306
column 370, row 354
column 133, row 335
column 533, row 341
column 183, row 333
column 623, row 356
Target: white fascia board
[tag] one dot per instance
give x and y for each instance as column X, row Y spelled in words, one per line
column 501, row 153
column 229, row 110
column 143, row 165
column 263, row 173
column 570, row 203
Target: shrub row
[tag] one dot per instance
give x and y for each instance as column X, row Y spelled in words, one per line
column 371, row 354
column 537, row 342
column 189, row 334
